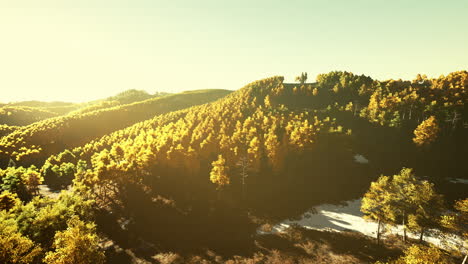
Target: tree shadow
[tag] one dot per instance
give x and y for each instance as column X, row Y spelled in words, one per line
column 321, row 244
column 147, row 226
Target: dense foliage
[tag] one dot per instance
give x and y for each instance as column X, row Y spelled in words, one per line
column 204, row 168
column 23, row 115
column 34, row 143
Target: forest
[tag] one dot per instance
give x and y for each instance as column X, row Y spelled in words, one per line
column 206, row 176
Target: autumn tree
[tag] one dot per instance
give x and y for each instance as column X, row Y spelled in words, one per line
column 243, row 164
column 457, row 223
column 41, row 218
column 428, row 207
column 403, row 190
column 376, row 202
column 14, row 247
column 8, row 200
column 315, row 92
column 404, row 199
column 418, row 254
column 218, row 174
column 78, row 244
column 414, row 203
column 302, row 78
column 32, row 180
column 426, row 132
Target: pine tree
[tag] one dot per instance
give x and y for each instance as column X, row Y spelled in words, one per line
column 428, row 207
column 78, row 244
column 376, row 202
column 218, row 173
column 302, row 78
column 8, row 200
column 14, row 247
column 457, row 223
column 426, row 132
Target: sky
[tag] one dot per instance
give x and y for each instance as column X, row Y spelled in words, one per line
column 89, row 49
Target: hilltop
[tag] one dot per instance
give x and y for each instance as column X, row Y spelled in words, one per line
column 197, row 173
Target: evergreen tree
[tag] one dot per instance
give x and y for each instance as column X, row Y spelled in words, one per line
column 426, row 132
column 78, row 244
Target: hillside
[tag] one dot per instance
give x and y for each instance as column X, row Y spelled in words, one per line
column 23, row 115
column 269, row 120
column 27, row 112
column 34, row 143
column 279, row 129
column 194, row 175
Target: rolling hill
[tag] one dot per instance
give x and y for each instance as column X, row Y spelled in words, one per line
column 32, row 144
column 205, row 169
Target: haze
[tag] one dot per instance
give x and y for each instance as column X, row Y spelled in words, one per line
column 65, row 50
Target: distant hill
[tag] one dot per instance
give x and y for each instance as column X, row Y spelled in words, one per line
column 27, row 112
column 5, row 130
column 23, row 115
column 53, row 135
column 40, row 104
column 125, row 97
column 133, row 95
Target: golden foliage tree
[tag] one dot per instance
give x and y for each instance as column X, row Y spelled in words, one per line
column 218, row 173
column 404, row 199
column 8, row 200
column 457, row 223
column 78, row 244
column 14, row 247
column 376, row 202
column 426, row 132
column 417, row 254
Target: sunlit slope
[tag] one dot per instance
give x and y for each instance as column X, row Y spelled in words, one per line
column 34, row 143
column 5, row 130
column 125, row 97
column 27, row 112
column 59, row 108
column 287, row 135
column 23, row 115
column 173, row 154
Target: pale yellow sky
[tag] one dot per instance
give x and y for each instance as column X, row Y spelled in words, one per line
column 84, row 50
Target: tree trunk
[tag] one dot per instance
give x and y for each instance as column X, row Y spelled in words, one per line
column 422, row 234
column 378, row 232
column 404, row 228
column 464, row 260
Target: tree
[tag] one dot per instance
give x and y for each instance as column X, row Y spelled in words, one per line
column 429, row 206
column 32, row 180
column 315, row 92
column 11, row 180
column 41, row 218
column 404, row 199
column 302, row 78
column 403, row 191
column 243, row 164
column 417, row 254
column 457, row 223
column 426, row 132
column 376, row 202
column 415, row 202
column 14, row 247
column 8, row 200
column 218, row 174
column 78, row 244
column 267, row 101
